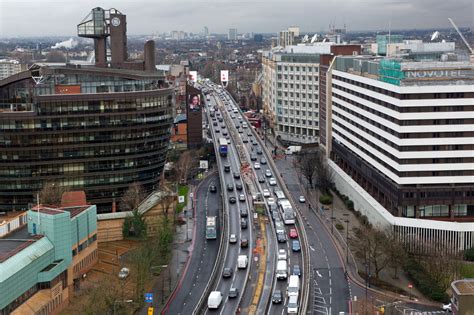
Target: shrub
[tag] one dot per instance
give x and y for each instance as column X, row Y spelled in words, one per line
column 325, row 199
column 469, row 254
column 350, row 204
column 339, row 226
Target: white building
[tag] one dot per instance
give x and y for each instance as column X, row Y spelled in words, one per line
column 232, row 35
column 8, row 68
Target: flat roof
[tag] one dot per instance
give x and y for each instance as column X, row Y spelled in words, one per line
column 464, row 286
column 16, row 241
column 52, row 210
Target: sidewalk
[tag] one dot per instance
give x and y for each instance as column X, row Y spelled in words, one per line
column 340, row 215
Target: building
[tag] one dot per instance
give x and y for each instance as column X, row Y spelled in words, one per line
column 290, row 90
column 179, row 133
column 232, row 35
column 43, row 259
column 96, row 128
column 9, row 67
column 285, row 38
column 205, row 31
column 462, row 302
column 384, row 40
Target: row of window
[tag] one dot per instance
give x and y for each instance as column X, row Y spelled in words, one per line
column 297, row 86
column 298, row 131
column 298, row 68
column 85, row 262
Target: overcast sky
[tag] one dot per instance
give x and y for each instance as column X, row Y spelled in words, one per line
column 53, row 17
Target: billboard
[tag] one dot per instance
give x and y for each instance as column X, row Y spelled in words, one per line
column 224, row 76
column 67, row 89
column 193, row 75
column 194, row 102
column 194, row 116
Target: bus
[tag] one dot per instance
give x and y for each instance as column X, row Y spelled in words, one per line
column 287, row 211
column 211, row 230
column 223, row 147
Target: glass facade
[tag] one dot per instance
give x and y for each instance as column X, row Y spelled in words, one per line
column 100, row 142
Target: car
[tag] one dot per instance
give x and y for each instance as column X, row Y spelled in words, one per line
column 123, row 273
column 217, row 130
column 297, row 270
column 228, row 140
column 237, row 126
column 236, row 175
column 222, row 126
column 259, row 151
column 270, row 201
column 263, row 161
column 266, row 193
column 244, row 243
column 244, row 213
column 254, row 142
column 447, row 307
column 282, row 254
column 220, row 118
column 302, row 199
column 249, row 134
column 214, row 123
column 227, row 168
column 238, row 186
column 233, row 238
column 241, row 131
column 261, row 179
column 281, row 237
column 243, row 223
column 295, row 246
column 272, row 181
column 224, row 133
column 230, row 187
column 244, row 140
column 256, row 165
column 227, row 273
column 232, row 116
column 212, row 188
column 277, row 297
column 233, row 293
column 241, row 197
column 232, row 199
column 268, row 173
column 293, row 233
column 253, row 157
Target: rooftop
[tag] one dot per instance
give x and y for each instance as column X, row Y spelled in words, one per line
column 74, row 211
column 15, row 242
column 463, row 287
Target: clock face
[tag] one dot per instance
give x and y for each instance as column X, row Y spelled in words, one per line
column 115, row 21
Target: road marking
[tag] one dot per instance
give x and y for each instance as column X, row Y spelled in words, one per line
column 319, row 275
column 312, row 248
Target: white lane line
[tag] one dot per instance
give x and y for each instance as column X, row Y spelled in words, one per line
column 312, row 248
column 319, row 275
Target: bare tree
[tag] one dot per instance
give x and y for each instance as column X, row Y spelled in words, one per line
column 186, row 161
column 132, row 198
column 166, row 204
column 305, row 164
column 324, row 175
column 51, row 193
column 395, row 251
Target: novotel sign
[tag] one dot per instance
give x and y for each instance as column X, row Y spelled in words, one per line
column 428, row 74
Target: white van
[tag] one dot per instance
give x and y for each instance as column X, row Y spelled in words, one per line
column 214, row 300
column 244, row 125
column 293, row 305
column 282, row 269
column 242, row 261
column 293, row 286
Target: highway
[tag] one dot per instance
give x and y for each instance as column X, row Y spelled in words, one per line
column 238, row 278
column 204, row 251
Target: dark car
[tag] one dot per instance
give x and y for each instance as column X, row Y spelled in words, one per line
column 212, row 188
column 259, row 151
column 214, row 123
column 295, row 246
column 244, row 140
column 244, row 213
column 236, row 175
column 233, row 293
column 243, row 223
column 253, row 157
column 281, row 237
column 263, row 161
column 232, row 199
column 244, row 243
column 261, row 179
column 296, row 270
column 227, row 168
column 277, row 297
column 221, row 119
column 227, row 273
column 230, row 187
column 249, row 134
column 238, row 186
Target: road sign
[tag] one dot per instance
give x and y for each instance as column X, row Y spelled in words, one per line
column 150, row 310
column 410, row 286
column 148, row 297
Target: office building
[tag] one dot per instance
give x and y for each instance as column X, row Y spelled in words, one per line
column 44, row 257
column 9, row 67
column 290, row 90
column 206, row 31
column 96, row 128
column 403, row 131
column 232, row 35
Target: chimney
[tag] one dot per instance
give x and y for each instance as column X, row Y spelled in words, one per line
column 150, row 56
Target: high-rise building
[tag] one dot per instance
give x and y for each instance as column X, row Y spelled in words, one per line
column 232, row 35
column 285, row 38
column 206, row 31
column 402, row 130
column 9, row 67
column 96, row 128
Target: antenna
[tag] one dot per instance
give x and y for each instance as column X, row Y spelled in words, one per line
column 314, row 38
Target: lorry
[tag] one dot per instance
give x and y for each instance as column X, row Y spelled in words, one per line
column 214, row 300
column 282, row 269
column 242, row 261
column 293, row 149
column 293, row 286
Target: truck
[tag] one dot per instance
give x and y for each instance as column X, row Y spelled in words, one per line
column 214, row 300
column 293, row 286
column 292, row 149
column 242, row 261
column 282, row 269
column 223, row 147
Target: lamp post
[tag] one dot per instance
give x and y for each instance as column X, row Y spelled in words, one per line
column 332, row 218
column 120, row 301
column 346, row 215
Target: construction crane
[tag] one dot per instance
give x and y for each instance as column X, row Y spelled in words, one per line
column 471, row 52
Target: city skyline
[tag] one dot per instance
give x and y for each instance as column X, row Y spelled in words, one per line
column 147, row 17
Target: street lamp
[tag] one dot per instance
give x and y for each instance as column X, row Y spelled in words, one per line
column 120, row 301
column 346, row 215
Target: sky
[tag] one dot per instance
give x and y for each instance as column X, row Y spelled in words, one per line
column 144, row 17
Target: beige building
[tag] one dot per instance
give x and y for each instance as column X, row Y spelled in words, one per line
column 462, row 302
column 8, row 68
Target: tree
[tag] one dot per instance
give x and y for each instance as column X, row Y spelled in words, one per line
column 324, row 175
column 51, row 193
column 132, row 198
column 134, row 225
column 395, row 252
column 305, row 163
column 55, row 56
column 186, row 161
